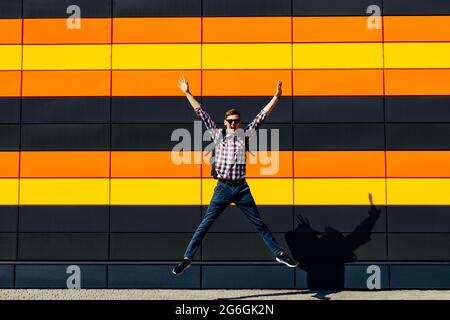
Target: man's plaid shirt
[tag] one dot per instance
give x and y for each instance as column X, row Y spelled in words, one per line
column 230, row 155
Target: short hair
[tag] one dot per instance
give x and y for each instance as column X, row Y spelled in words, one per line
column 232, row 111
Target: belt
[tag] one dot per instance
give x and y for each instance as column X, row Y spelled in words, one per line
column 233, row 182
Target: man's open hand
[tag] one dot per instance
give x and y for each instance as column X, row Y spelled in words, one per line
column 183, row 84
column 278, row 91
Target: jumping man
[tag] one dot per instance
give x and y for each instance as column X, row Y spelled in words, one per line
column 231, row 186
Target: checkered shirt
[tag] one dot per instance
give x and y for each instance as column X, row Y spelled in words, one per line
column 230, row 155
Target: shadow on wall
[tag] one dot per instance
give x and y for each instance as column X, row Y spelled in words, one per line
column 323, row 254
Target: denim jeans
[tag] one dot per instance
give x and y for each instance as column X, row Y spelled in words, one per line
column 224, row 195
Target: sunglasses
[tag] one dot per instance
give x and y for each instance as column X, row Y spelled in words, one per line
column 230, row 121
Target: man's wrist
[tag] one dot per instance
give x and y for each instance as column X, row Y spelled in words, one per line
column 277, row 96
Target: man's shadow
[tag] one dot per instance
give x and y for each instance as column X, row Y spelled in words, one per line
column 323, row 254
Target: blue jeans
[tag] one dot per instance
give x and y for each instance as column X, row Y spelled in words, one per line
column 224, row 195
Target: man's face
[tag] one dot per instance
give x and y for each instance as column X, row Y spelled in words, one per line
column 232, row 122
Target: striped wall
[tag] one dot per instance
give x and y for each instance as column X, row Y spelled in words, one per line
column 86, row 117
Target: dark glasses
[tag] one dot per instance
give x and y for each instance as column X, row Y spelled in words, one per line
column 230, row 121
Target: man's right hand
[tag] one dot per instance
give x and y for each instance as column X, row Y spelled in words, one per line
column 183, row 85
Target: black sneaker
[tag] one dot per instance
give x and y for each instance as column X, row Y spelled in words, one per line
column 283, row 257
column 183, row 265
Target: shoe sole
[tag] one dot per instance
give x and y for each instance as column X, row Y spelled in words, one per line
column 289, row 265
column 180, row 273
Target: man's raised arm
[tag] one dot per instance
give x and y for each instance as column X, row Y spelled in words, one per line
column 268, row 108
column 184, row 86
column 263, row 114
column 202, row 114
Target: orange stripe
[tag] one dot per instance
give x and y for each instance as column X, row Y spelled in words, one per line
column 152, row 164
column 246, row 29
column 9, row 164
column 158, row 164
column 66, row 83
column 10, row 83
column 153, row 83
column 417, row 82
column 11, row 31
column 245, row 82
column 338, row 82
column 417, row 28
column 64, row 164
column 339, row 164
column 418, row 164
column 157, row 30
column 267, row 165
column 334, row 29
column 55, row 31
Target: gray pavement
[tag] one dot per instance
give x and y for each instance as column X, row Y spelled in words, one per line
column 254, row 294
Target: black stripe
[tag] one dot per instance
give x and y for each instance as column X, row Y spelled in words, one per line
column 152, row 110
column 333, row 7
column 65, row 110
column 339, row 137
column 8, row 243
column 173, row 219
column 7, row 276
column 247, row 8
column 8, row 218
column 155, row 218
column 417, row 109
column 419, row 219
column 247, row 277
column 63, row 219
column 10, row 9
column 63, row 246
column 416, row 7
column 58, row 8
column 65, row 137
column 56, row 276
column 418, row 136
column 157, row 8
column 151, row 276
column 420, row 276
column 338, row 109
column 9, row 137
column 419, row 246
column 149, row 246
column 9, row 110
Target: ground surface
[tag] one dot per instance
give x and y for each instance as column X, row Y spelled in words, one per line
column 94, row 294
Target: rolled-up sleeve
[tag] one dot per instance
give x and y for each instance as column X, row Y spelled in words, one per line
column 207, row 120
column 259, row 119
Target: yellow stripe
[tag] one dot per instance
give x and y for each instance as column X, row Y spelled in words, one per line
column 66, row 57
column 338, row 55
column 10, row 57
column 417, row 55
column 339, row 191
column 247, row 56
column 264, row 191
column 9, row 191
column 156, row 56
column 270, row 191
column 155, row 191
column 427, row 191
column 64, row 191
